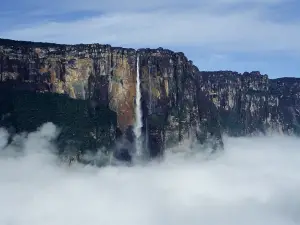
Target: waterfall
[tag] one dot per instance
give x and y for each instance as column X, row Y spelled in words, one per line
column 83, row 93
column 138, row 113
column 150, row 88
column 149, row 106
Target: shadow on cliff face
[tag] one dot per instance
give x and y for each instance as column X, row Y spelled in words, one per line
column 81, row 125
column 84, row 125
column 253, row 182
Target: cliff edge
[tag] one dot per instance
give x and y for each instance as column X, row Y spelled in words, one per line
column 251, row 103
column 89, row 92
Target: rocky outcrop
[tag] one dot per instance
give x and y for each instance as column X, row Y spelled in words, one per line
column 250, row 103
column 89, row 92
column 94, row 86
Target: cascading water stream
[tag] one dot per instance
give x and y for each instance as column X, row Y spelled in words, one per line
column 150, row 108
column 138, row 113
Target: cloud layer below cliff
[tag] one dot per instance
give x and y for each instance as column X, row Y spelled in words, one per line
column 254, row 182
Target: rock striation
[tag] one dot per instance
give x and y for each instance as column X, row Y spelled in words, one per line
column 251, row 103
column 89, row 91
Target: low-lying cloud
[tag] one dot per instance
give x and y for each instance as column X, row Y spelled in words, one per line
column 255, row 181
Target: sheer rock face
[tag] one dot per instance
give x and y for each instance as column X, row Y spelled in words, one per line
column 249, row 103
column 174, row 107
column 178, row 101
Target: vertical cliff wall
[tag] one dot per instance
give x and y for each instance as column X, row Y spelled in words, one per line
column 99, row 82
column 249, row 103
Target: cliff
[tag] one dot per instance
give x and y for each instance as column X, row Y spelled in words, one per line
column 89, row 92
column 249, row 103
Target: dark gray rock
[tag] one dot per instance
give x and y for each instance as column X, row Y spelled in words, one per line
column 250, row 103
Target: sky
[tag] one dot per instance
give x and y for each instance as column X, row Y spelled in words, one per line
column 239, row 35
column 254, row 182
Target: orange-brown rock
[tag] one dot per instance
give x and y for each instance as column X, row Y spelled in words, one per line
column 173, row 106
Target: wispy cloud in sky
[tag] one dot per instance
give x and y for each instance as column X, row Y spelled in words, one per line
column 263, row 29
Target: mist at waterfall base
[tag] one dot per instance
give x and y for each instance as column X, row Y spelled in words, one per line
column 254, row 181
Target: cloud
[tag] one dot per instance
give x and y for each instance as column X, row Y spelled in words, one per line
column 242, row 30
column 57, row 6
column 3, row 138
column 254, row 182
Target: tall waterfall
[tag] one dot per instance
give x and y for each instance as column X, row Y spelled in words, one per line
column 138, row 113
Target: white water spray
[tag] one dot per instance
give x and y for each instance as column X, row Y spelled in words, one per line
column 138, row 112
column 150, row 106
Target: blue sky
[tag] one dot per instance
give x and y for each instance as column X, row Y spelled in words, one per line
column 240, row 35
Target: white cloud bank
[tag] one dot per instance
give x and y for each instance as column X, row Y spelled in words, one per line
column 218, row 26
column 255, row 182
